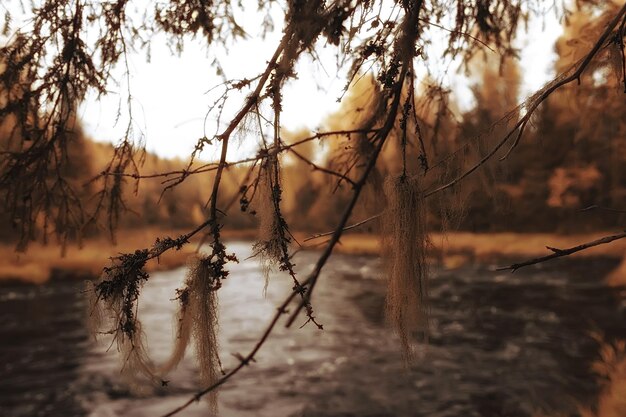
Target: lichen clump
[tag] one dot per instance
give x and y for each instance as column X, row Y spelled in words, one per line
column 405, row 241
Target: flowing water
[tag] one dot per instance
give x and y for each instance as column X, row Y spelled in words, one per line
column 500, row 344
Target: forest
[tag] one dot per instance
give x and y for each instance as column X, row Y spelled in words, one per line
column 557, row 180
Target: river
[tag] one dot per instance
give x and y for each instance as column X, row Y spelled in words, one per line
column 500, row 344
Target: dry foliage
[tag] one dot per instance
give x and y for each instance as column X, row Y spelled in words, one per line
column 611, row 369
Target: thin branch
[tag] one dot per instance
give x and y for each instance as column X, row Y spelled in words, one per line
column 321, row 169
column 224, row 136
column 352, row 226
column 214, row 165
column 574, row 77
column 557, row 253
column 596, row 207
column 381, row 136
column 457, row 32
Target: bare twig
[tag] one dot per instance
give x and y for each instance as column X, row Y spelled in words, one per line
column 596, row 207
column 352, row 226
column 458, row 32
column 557, row 253
column 178, row 174
column 574, row 77
column 316, row 167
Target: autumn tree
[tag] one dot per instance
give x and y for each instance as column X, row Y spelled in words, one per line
column 402, row 141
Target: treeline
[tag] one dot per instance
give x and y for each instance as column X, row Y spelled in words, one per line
column 571, row 155
column 565, row 175
column 570, row 158
column 143, row 201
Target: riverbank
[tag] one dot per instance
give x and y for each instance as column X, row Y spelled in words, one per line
column 452, row 250
column 42, row 263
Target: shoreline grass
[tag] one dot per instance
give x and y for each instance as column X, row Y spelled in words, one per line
column 41, row 263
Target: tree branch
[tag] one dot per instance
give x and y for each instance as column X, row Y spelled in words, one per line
column 522, row 123
column 408, row 41
column 596, row 207
column 352, row 226
column 558, row 253
column 342, row 177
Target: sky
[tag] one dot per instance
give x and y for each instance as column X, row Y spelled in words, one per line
column 171, row 95
column 172, row 92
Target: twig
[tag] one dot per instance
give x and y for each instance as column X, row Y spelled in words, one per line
column 250, row 102
column 557, row 253
column 322, row 169
column 458, row 32
column 596, row 207
column 575, row 76
column 352, row 226
column 208, row 167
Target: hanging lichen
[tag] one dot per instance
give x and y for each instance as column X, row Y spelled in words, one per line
column 95, row 313
column 199, row 318
column 405, row 241
column 112, row 310
column 267, row 206
column 184, row 326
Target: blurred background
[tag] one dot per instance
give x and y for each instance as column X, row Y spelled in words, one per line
column 545, row 341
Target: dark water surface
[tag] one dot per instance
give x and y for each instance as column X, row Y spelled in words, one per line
column 500, row 344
